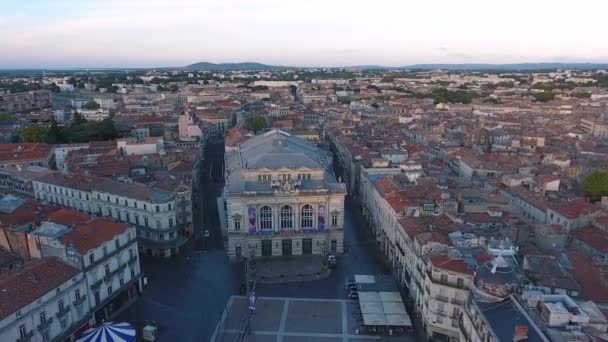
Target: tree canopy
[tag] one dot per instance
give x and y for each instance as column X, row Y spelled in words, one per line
column 443, row 95
column 33, row 133
column 256, row 123
column 6, row 117
column 544, row 96
column 91, row 105
column 595, row 185
column 79, row 131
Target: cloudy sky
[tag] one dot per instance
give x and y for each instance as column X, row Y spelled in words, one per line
column 145, row 33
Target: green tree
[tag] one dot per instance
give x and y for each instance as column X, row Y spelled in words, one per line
column 33, row 133
column 256, row 123
column 545, row 96
column 595, row 185
column 91, row 105
column 54, row 88
column 53, row 135
column 78, row 119
column 6, row 117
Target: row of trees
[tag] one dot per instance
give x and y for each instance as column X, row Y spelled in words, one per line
column 442, row 95
column 80, row 130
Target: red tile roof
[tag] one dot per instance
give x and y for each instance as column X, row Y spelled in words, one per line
column 34, row 280
column 592, row 236
column 88, row 232
column 29, row 212
column 574, row 209
column 23, row 152
column 588, row 276
column 443, row 262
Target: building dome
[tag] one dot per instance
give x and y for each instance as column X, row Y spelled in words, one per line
column 495, row 280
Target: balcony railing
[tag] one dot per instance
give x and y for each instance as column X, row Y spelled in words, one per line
column 26, row 337
column 442, row 298
column 132, row 259
column 121, row 268
column 80, row 300
column 446, row 282
column 61, row 313
column 45, row 324
column 96, row 284
column 457, row 301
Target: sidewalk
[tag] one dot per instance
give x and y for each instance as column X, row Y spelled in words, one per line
column 289, row 269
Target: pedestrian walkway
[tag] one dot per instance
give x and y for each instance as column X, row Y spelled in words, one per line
column 294, row 320
column 286, row 269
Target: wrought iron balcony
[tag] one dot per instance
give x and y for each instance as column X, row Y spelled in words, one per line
column 80, row 300
column 45, row 324
column 61, row 313
column 27, row 337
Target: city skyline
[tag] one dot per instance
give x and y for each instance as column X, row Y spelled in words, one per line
column 70, row 34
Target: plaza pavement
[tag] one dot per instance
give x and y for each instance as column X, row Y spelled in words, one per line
column 280, row 319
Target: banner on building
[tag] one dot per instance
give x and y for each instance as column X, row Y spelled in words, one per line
column 321, row 218
column 251, row 221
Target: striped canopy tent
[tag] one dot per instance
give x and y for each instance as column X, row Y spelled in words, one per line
column 109, row 332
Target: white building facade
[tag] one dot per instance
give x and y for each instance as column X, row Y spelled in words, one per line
column 281, row 199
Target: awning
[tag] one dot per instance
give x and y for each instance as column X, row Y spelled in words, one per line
column 374, row 319
column 364, row 279
column 391, row 297
column 371, row 307
column 394, row 308
column 398, row 320
column 369, row 297
column 109, row 332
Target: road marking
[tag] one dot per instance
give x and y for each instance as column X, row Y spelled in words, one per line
column 344, row 323
column 222, row 320
column 303, row 334
column 283, row 320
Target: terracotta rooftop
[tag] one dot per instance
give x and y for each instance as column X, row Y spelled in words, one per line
column 574, row 209
column 23, row 152
column 592, row 236
column 88, row 232
column 35, row 279
column 588, row 276
column 444, row 262
column 29, row 212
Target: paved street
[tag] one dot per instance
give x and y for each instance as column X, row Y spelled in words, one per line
column 187, row 295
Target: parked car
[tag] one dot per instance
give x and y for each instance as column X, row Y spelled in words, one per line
column 332, row 261
column 206, row 233
column 353, row 295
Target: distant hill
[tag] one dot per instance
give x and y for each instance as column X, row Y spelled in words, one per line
column 206, row 66
column 252, row 66
column 507, row 67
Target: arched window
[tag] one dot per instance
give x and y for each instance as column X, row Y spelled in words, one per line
column 265, row 217
column 286, row 216
column 306, row 217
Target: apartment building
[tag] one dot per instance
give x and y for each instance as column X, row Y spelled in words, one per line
column 105, row 251
column 152, row 211
column 44, row 301
column 26, row 101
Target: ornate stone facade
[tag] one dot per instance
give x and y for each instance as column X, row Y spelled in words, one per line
column 281, row 198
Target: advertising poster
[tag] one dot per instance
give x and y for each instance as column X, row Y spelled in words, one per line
column 321, row 218
column 251, row 220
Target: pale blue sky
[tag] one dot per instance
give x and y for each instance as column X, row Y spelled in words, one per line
column 129, row 33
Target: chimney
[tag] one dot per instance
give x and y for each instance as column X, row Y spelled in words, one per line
column 521, row 333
